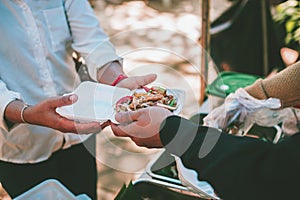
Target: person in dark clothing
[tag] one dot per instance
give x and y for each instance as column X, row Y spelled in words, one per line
column 236, row 167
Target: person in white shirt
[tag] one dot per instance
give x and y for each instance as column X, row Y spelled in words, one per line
column 37, row 41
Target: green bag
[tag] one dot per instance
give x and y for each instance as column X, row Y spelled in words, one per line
column 229, row 82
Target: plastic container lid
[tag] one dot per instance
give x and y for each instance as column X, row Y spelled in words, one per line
column 97, row 102
column 229, row 82
column 50, row 189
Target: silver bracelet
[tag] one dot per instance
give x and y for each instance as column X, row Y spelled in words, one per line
column 22, row 113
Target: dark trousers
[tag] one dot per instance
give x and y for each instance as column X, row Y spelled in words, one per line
column 75, row 168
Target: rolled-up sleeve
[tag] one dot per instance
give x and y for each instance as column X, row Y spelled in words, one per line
column 6, row 96
column 89, row 39
column 284, row 86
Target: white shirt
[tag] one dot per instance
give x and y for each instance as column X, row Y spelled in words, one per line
column 37, row 38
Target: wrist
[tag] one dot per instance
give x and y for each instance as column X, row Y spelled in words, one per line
column 25, row 106
column 257, row 90
column 118, row 79
column 109, row 73
column 25, row 116
column 14, row 111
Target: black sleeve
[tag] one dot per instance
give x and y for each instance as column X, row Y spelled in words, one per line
column 237, row 167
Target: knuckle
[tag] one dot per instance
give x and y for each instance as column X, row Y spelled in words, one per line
column 65, row 99
column 60, row 123
column 125, row 117
column 66, row 127
column 122, row 117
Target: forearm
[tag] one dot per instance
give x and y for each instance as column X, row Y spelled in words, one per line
column 44, row 114
column 107, row 74
column 12, row 113
column 89, row 39
column 284, row 86
column 6, row 97
column 237, row 167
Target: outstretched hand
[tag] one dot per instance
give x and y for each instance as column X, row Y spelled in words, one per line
column 142, row 126
column 44, row 114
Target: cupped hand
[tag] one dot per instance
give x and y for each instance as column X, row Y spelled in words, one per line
column 136, row 82
column 142, row 126
column 44, row 114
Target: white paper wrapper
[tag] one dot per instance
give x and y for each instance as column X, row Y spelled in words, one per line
column 97, row 102
column 189, row 178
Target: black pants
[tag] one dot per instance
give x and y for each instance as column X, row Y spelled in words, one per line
column 75, row 168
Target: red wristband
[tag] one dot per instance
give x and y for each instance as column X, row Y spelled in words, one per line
column 297, row 106
column 118, row 79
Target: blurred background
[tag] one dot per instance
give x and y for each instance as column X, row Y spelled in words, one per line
column 164, row 36
column 189, row 44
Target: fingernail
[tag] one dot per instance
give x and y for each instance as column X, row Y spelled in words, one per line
column 72, row 98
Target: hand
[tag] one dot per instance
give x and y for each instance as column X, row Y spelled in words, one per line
column 112, row 70
column 44, row 114
column 135, row 82
column 242, row 110
column 142, row 126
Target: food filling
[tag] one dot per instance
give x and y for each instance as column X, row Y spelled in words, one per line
column 154, row 96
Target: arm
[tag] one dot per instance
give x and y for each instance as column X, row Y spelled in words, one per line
column 90, row 41
column 6, row 96
column 238, row 168
column 44, row 114
column 246, row 106
column 284, row 86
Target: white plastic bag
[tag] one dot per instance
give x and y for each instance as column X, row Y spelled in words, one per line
column 242, row 110
column 291, row 124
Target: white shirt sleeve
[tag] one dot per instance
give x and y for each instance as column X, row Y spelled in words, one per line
column 6, row 96
column 89, row 40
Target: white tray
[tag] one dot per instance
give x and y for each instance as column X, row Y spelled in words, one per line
column 96, row 102
column 50, row 189
column 188, row 178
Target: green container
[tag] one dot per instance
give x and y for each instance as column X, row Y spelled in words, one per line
column 229, row 82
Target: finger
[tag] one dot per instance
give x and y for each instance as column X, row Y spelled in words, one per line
column 127, row 117
column 137, row 81
column 133, row 130
column 64, row 100
column 69, row 126
column 105, row 124
column 126, row 130
column 144, row 80
column 118, row 131
column 86, row 128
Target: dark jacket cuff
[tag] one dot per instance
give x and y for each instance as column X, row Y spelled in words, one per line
column 177, row 134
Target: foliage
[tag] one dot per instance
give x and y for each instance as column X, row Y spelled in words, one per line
column 288, row 14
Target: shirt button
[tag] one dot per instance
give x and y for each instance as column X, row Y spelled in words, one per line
column 25, row 7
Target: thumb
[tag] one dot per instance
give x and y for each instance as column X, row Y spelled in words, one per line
column 146, row 79
column 64, row 100
column 135, row 82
